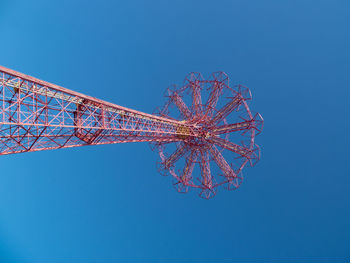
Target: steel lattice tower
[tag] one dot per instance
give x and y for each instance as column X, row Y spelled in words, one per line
column 203, row 124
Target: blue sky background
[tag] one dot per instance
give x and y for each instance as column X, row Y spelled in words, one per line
column 109, row 204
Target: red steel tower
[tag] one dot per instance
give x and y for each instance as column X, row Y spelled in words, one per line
column 204, row 125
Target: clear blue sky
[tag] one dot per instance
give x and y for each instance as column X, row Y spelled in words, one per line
column 109, row 204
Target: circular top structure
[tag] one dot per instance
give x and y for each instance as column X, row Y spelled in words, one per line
column 225, row 139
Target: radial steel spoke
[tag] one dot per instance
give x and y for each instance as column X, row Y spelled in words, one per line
column 205, row 168
column 227, row 128
column 221, row 162
column 180, row 104
column 179, row 152
column 196, row 98
column 244, row 152
column 188, row 169
column 213, row 98
column 227, row 109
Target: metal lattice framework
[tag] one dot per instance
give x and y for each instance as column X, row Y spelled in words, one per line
column 189, row 134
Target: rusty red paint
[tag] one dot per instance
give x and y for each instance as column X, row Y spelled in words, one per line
column 36, row 115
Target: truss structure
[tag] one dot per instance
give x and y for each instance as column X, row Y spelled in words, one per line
column 36, row 115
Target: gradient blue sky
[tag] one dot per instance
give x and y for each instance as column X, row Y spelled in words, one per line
column 109, row 204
